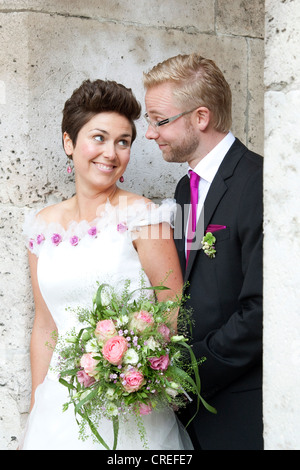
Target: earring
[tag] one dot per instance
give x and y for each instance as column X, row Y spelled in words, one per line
column 69, row 168
column 121, row 179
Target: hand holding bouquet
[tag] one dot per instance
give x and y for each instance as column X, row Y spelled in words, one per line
column 126, row 359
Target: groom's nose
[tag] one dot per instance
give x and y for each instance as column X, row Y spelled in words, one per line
column 151, row 133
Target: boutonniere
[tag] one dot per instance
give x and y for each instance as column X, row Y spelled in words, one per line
column 208, row 246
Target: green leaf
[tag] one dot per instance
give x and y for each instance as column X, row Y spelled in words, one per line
column 110, row 312
column 156, row 288
column 196, row 386
column 116, row 431
column 196, row 372
column 98, row 301
column 89, row 397
column 145, row 288
column 70, row 372
column 67, row 384
column 93, row 429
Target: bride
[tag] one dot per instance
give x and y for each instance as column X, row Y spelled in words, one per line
column 76, row 243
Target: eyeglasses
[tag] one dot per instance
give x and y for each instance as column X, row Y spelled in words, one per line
column 156, row 124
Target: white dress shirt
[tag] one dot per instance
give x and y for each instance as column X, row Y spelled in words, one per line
column 208, row 167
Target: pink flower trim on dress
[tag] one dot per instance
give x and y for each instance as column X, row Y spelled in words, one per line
column 140, row 215
column 122, row 227
column 74, row 240
column 56, row 239
column 40, row 238
column 92, row 231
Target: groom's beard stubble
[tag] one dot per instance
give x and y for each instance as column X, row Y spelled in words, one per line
column 183, row 151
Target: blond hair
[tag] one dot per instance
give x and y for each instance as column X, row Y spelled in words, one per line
column 196, row 81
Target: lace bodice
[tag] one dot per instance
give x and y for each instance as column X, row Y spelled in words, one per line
column 72, row 261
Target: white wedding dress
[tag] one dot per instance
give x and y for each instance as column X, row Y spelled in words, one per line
column 70, row 263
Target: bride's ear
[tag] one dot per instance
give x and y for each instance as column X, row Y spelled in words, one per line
column 68, row 144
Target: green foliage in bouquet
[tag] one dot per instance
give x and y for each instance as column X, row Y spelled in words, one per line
column 126, row 358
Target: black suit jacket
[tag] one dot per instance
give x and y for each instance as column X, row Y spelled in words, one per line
column 226, row 299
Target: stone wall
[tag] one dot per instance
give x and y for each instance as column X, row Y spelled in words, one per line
column 282, row 226
column 47, row 49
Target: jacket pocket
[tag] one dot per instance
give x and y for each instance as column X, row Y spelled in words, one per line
column 222, row 235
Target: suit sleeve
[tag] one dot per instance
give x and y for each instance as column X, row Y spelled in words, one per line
column 233, row 349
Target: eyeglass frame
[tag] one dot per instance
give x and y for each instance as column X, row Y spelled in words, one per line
column 167, row 120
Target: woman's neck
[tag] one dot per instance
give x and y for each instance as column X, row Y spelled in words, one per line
column 89, row 205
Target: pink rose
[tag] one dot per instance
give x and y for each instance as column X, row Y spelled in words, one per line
column 89, row 364
column 141, row 320
column 85, row 379
column 92, row 231
column 159, row 363
column 114, row 349
column 74, row 240
column 133, row 380
column 144, row 409
column 40, row 238
column 105, row 329
column 165, row 332
column 56, row 239
column 122, row 227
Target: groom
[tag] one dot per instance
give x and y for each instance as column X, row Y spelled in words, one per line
column 188, row 104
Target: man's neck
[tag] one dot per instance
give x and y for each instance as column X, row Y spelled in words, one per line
column 208, row 142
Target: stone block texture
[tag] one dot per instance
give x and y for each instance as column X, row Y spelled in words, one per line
column 282, row 226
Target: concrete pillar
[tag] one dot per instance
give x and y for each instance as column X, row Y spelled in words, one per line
column 282, row 226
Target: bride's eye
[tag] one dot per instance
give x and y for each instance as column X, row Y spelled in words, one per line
column 99, row 138
column 124, row 143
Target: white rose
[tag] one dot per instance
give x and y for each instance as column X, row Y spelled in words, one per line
column 110, row 392
column 174, row 385
column 92, row 346
column 111, row 409
column 131, row 357
column 151, row 344
column 171, row 391
column 122, row 320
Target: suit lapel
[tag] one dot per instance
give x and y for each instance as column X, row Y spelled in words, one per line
column 216, row 192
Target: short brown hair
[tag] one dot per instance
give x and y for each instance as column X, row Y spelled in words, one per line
column 94, row 97
column 197, row 81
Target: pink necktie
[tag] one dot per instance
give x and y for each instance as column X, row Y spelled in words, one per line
column 194, row 185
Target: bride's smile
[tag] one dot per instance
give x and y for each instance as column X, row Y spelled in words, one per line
column 103, row 167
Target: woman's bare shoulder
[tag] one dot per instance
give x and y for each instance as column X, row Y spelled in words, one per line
column 132, row 198
column 56, row 212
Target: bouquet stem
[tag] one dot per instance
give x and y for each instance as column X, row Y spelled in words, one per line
column 96, row 433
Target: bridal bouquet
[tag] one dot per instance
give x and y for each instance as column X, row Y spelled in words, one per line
column 126, row 359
